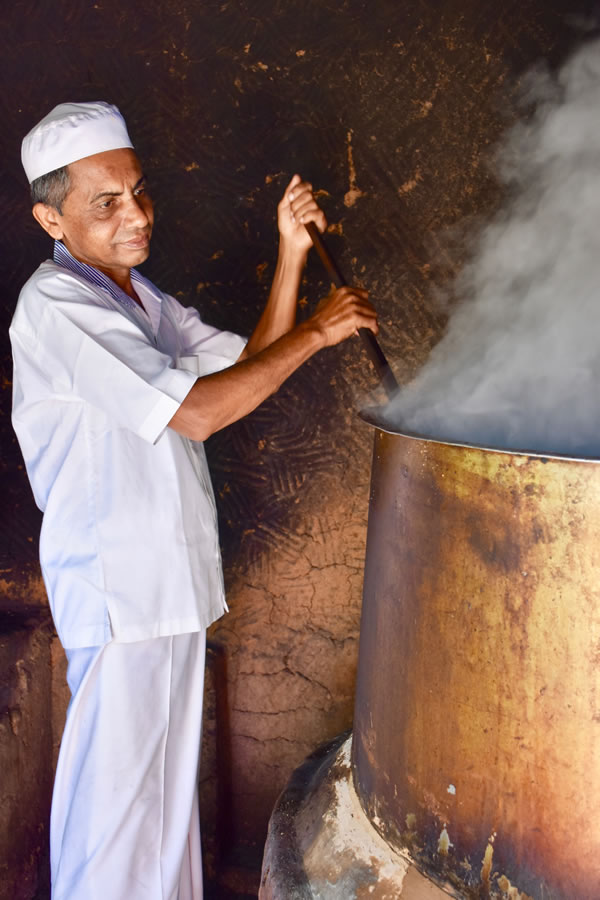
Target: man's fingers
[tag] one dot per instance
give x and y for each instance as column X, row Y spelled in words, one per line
column 298, row 203
column 300, row 187
column 303, row 205
column 300, row 197
column 348, row 295
column 312, row 215
column 296, row 180
column 351, row 291
column 344, row 312
column 356, row 299
column 371, row 323
column 367, row 317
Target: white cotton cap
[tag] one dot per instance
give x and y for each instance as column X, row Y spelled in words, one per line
column 70, row 132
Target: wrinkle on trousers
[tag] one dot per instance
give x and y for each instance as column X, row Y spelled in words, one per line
column 125, row 823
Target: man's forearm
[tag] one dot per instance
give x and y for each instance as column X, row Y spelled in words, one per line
column 220, row 399
column 279, row 315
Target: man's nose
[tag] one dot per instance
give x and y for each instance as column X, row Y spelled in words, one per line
column 137, row 211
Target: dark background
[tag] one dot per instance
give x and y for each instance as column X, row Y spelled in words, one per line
column 391, row 109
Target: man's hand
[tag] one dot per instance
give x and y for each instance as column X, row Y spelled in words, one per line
column 342, row 313
column 276, row 348
column 298, row 207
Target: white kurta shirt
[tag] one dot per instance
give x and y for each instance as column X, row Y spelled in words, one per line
column 128, row 547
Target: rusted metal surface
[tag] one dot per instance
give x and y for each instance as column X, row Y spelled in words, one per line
column 477, row 726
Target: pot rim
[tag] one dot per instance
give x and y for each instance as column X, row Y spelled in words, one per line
column 370, row 415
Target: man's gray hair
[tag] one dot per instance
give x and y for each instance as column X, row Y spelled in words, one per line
column 51, row 189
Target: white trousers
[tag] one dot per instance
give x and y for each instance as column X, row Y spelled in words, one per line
column 125, row 823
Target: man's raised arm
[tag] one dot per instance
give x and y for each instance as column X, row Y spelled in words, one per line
column 297, row 207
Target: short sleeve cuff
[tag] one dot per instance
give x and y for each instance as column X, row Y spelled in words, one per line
column 219, row 353
column 173, row 393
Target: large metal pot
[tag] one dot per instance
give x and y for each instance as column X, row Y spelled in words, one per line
column 477, row 727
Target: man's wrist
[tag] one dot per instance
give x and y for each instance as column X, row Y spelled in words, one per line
column 291, row 254
column 313, row 334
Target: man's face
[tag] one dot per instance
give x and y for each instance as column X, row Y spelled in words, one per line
column 107, row 215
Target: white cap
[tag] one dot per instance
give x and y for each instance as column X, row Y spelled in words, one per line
column 70, row 132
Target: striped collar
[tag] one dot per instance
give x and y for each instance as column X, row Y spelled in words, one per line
column 63, row 258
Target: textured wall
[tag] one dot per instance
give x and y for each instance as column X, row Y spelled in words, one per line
column 390, row 108
column 30, row 700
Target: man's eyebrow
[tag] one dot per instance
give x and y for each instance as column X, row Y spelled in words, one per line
column 105, row 194
column 101, row 194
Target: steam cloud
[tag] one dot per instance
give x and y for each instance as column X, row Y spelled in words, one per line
column 519, row 365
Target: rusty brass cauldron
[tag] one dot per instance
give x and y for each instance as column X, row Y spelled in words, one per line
column 477, row 725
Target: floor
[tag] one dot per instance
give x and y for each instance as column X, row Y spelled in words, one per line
column 234, row 885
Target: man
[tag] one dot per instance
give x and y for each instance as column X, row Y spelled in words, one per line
column 115, row 384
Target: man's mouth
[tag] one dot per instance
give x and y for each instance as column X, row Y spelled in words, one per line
column 138, row 242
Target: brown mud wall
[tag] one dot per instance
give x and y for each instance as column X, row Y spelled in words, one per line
column 391, row 109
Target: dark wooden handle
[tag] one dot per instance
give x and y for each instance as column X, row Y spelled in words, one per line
column 374, row 351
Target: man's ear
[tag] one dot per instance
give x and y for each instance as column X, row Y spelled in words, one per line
column 49, row 218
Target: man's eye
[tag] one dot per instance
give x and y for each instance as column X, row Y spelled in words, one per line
column 140, row 190
column 106, row 204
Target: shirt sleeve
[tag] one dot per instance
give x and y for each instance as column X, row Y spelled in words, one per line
column 206, row 349
column 98, row 355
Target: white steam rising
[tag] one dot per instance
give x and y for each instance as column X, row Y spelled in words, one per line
column 519, row 365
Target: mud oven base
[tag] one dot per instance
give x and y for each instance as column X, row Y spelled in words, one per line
column 322, row 845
